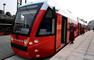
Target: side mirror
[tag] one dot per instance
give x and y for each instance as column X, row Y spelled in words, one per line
column 54, row 13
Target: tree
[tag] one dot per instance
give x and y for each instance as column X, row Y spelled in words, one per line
column 8, row 13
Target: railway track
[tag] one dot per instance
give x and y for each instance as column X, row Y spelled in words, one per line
column 15, row 57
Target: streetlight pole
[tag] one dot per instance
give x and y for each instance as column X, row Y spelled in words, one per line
column 25, row 1
column 19, row 2
column 4, row 7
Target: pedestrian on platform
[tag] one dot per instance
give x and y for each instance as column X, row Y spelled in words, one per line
column 83, row 30
column 93, row 28
column 71, row 37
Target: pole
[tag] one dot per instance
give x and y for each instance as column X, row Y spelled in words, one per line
column 19, row 2
column 4, row 7
column 78, row 26
column 25, row 1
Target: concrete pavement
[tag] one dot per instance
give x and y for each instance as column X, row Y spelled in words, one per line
column 82, row 49
column 5, row 47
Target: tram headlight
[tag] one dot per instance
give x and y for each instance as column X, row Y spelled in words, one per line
column 36, row 41
column 36, row 50
column 26, row 42
column 38, row 56
column 11, row 38
column 30, row 43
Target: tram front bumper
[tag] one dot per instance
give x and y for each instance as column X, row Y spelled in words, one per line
column 20, row 50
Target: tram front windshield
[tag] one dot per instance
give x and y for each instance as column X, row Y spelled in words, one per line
column 25, row 18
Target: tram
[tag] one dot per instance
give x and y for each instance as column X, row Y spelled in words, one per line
column 39, row 31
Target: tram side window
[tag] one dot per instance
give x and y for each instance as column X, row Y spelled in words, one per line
column 47, row 25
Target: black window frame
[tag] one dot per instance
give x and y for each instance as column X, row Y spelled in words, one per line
column 53, row 17
column 30, row 29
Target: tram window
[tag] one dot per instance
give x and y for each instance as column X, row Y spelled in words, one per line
column 47, row 25
column 25, row 18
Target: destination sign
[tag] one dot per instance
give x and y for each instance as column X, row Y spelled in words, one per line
column 29, row 7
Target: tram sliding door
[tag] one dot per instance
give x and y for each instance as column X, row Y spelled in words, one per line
column 64, row 30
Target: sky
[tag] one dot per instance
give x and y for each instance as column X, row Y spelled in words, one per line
column 10, row 5
column 78, row 8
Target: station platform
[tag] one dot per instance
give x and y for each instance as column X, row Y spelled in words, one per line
column 5, row 47
column 82, row 49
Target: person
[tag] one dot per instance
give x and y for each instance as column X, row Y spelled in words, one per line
column 93, row 28
column 71, row 37
column 83, row 30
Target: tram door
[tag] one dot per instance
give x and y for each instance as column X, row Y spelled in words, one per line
column 64, row 30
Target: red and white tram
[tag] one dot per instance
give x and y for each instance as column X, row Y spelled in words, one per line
column 39, row 31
